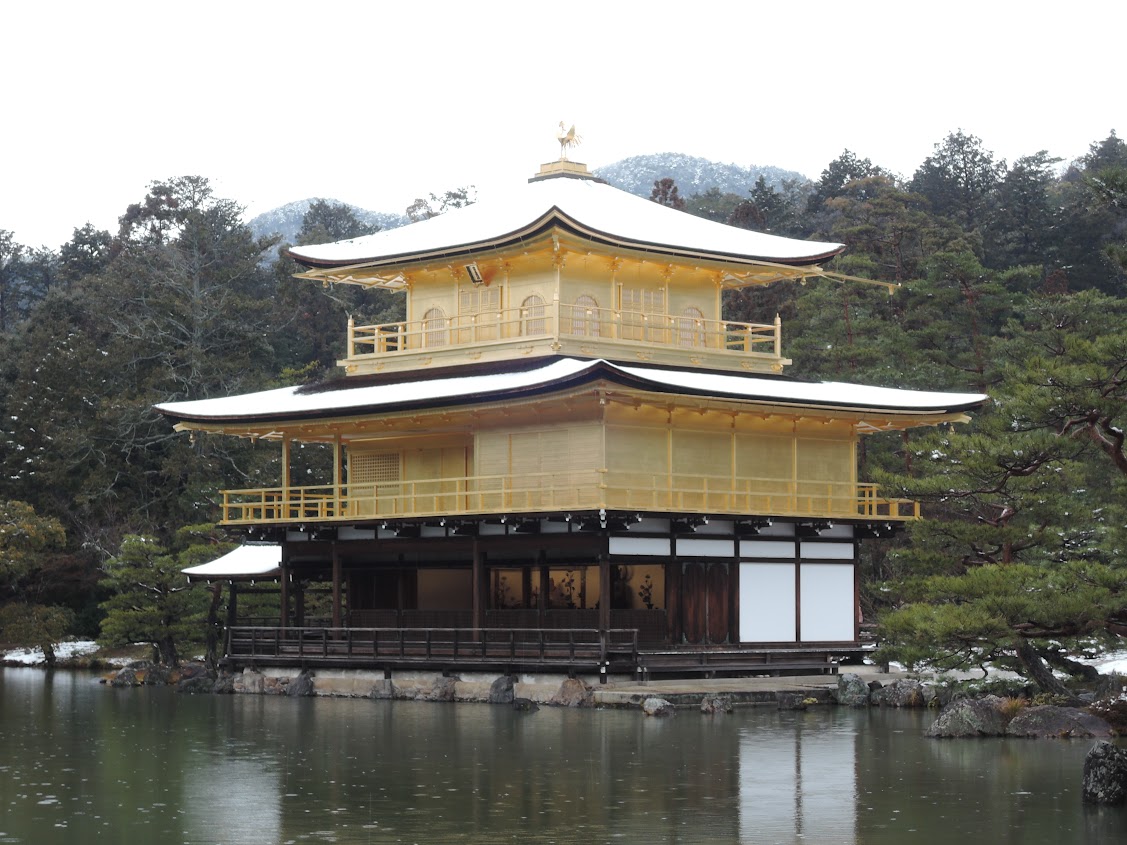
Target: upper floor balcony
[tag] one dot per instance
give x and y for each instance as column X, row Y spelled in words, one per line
column 563, row 491
column 554, row 328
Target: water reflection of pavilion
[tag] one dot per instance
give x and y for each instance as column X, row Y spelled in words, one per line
column 800, row 784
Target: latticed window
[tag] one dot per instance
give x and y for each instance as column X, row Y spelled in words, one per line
column 532, row 315
column 585, row 317
column 373, row 482
column 690, row 327
column 373, row 468
column 434, row 328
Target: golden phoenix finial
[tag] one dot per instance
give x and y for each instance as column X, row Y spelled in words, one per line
column 567, row 138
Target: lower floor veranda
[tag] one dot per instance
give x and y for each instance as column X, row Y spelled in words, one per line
column 593, row 592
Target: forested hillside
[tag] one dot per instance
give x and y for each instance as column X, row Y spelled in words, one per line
column 1014, row 282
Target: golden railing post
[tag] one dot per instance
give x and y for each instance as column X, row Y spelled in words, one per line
column 351, row 337
column 778, row 336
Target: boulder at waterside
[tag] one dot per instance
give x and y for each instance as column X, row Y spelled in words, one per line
column 852, row 691
column 1105, row 774
column 907, row 693
column 712, row 704
column 971, row 717
column 657, row 707
column 501, row 690
column 573, row 693
column 1050, row 722
column 195, row 685
column 301, row 686
column 224, row 683
column 790, row 701
column 126, row 677
column 443, row 689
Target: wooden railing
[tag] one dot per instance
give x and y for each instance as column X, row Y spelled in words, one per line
column 434, row 646
column 561, row 491
column 564, row 321
column 432, row 497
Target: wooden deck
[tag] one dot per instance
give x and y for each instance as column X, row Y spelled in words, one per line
column 512, row 650
column 574, row 650
column 718, row 662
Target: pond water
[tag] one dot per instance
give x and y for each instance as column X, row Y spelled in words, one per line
column 80, row 763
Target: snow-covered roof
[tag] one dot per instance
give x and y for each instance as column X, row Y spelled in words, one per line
column 263, row 560
column 587, row 207
column 350, row 396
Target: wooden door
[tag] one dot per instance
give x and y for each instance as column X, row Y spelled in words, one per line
column 704, row 602
column 717, row 582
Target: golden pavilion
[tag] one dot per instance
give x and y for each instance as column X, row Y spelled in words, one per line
column 565, row 457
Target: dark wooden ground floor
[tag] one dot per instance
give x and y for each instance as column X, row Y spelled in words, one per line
column 618, row 593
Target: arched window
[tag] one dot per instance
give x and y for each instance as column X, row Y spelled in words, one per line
column 585, row 317
column 532, row 315
column 435, row 328
column 690, row 327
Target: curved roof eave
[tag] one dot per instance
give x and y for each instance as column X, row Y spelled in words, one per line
column 278, row 405
column 554, row 217
column 592, row 210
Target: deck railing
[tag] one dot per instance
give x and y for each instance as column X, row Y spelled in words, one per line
column 560, row 491
column 562, row 321
column 428, row 646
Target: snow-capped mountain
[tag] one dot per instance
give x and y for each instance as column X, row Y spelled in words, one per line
column 692, row 174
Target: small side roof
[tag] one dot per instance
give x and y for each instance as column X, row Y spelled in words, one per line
column 259, row 560
column 586, row 207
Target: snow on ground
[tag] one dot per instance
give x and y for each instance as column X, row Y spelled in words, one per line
column 1115, row 661
column 63, row 651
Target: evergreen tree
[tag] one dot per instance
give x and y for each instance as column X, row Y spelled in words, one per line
column 1092, row 223
column 713, row 204
column 26, row 543
column 890, row 227
column 665, row 192
column 89, row 251
column 1018, row 563
column 847, row 167
column 325, row 222
column 1021, row 229
column 959, row 178
column 426, row 208
column 177, row 313
column 9, row 263
column 150, row 600
column 310, row 319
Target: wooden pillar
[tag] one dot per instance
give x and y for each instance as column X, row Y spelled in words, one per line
column 797, row 587
column 285, row 593
column 336, row 587
column 338, row 475
column 604, row 593
column 526, row 587
column 542, row 603
column 285, row 471
column 232, row 604
column 478, row 588
column 299, row 603
column 673, row 600
column 734, row 598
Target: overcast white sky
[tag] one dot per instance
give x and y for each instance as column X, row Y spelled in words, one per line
column 377, row 103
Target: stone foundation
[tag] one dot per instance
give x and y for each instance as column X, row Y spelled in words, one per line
column 420, row 686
